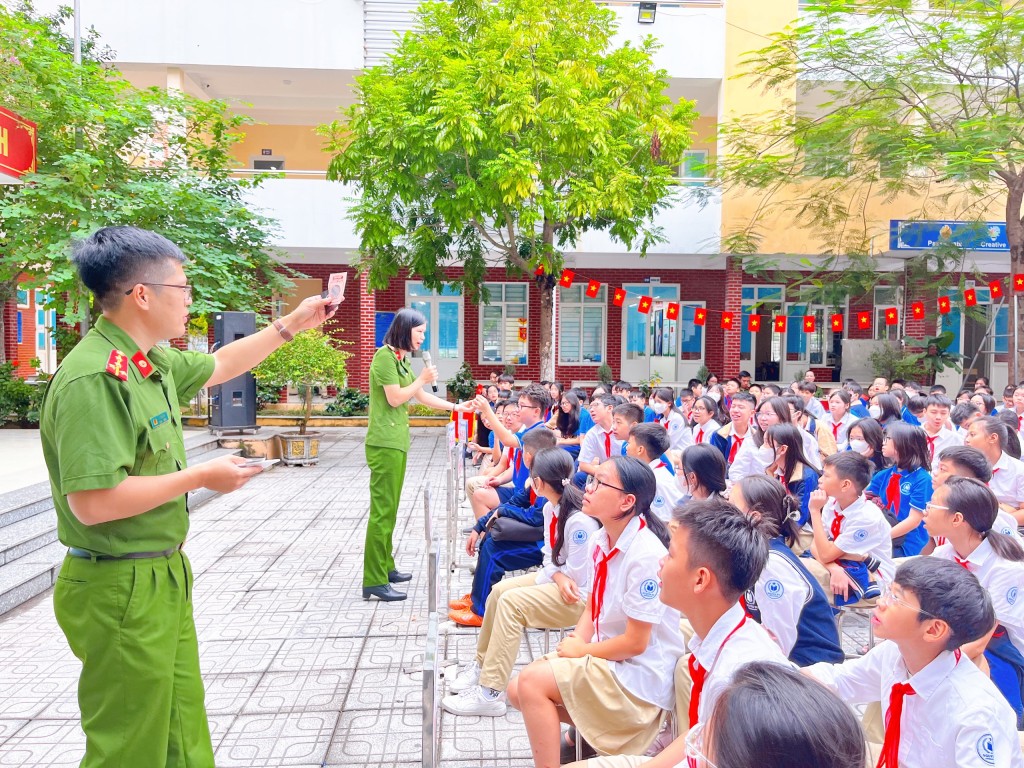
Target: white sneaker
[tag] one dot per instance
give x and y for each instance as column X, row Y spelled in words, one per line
column 465, row 678
column 473, row 702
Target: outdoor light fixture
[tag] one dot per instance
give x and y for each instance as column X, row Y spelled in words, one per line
column 646, row 14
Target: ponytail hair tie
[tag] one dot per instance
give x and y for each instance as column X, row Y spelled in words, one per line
column 565, row 481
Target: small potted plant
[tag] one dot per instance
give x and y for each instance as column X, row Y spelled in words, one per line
column 312, row 358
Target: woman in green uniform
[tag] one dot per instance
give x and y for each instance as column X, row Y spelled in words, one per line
column 392, row 385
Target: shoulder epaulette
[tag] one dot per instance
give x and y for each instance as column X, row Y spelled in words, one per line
column 117, row 365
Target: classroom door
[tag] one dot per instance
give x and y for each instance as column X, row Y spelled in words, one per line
column 444, row 327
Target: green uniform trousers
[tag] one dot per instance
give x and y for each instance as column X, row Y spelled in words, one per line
column 140, row 692
column 387, row 474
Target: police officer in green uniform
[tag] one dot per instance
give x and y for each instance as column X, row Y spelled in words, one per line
column 112, row 440
column 392, row 385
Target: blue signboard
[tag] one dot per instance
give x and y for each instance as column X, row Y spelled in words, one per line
column 972, row 235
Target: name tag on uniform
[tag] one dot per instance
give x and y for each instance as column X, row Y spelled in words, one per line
column 159, row 419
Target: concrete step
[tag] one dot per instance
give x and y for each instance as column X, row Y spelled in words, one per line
column 29, row 575
column 27, row 535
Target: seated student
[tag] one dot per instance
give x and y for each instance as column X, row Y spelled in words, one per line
column 617, row 657
column 913, row 412
column 522, row 550
column 962, row 415
column 905, row 487
column 1013, row 437
column 667, row 416
column 567, row 422
column 984, row 402
column 600, row 443
column 703, row 415
column 648, row 442
column 791, row 467
column 940, row 710
column 840, row 419
column 885, row 409
column 729, row 439
column 636, row 397
column 806, row 390
column 753, row 456
column 787, row 600
column 989, row 435
column 756, row 391
column 701, row 472
column 859, row 408
column 866, row 438
column 938, row 435
column 1007, row 403
column 552, row 598
column 624, row 416
column 499, row 472
column 851, row 536
column 818, row 440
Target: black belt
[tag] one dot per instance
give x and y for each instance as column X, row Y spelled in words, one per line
column 87, row 555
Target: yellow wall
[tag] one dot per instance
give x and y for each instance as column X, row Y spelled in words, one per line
column 300, row 146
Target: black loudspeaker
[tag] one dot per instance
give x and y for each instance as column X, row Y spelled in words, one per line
column 233, row 403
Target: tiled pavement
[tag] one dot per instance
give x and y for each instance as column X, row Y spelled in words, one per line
column 299, row 670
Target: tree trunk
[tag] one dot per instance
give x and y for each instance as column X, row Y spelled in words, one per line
column 307, row 408
column 546, row 283
column 1015, row 237
column 8, row 291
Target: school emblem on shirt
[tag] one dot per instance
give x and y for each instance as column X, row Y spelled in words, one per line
column 579, row 536
column 117, row 365
column 905, row 488
column 658, row 501
column 860, row 535
column 986, row 749
column 1011, row 595
column 649, row 589
column 774, row 589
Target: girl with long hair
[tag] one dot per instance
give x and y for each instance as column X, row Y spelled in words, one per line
column 666, row 414
column 753, row 457
column 905, row 487
column 866, row 437
column 567, row 421
column 791, row 467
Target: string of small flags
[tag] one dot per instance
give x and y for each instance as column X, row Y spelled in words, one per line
column 780, row 323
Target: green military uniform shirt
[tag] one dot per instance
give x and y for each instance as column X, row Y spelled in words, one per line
column 388, row 427
column 110, row 412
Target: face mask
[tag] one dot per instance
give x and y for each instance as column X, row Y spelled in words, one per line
column 875, row 411
column 659, row 408
column 766, row 454
column 684, row 484
column 858, row 446
column 715, row 396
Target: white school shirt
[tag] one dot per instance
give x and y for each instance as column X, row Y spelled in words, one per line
column 751, row 642
column 815, row 409
column 704, row 432
column 956, row 718
column 593, row 445
column 946, row 438
column 747, row 462
column 812, row 451
column 1004, row 581
column 678, row 433
column 668, row 494
column 842, row 434
column 1007, row 481
column 577, row 539
column 863, row 531
column 781, row 615
column 1005, row 523
column 631, row 592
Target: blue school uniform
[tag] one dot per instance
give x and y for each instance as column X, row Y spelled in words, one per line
column 915, row 492
column 586, row 421
column 649, row 414
column 802, row 489
column 497, row 557
column 859, row 410
column 909, row 418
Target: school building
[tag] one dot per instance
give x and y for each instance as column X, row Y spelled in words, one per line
column 290, row 65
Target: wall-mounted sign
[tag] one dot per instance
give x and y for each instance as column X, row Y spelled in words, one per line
column 266, row 152
column 972, row 235
column 17, row 146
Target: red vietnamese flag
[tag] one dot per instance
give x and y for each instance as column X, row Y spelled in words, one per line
column 700, row 316
column 672, row 312
column 970, row 297
column 645, row 304
column 944, row 305
column 539, row 271
column 754, row 323
column 892, row 316
column 837, row 323
column 593, row 288
column 864, row 320
column 917, row 310
column 727, row 318
column 809, row 324
column 1018, row 282
column 996, row 289
column 618, row 297
column 780, row 323
column 566, row 279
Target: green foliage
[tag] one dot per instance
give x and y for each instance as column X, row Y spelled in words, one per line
column 509, row 369
column 933, row 355
column 350, row 402
column 19, row 400
column 267, row 393
column 462, row 386
column 110, row 154
column 311, row 358
column 604, row 373
column 702, row 373
column 501, row 133
column 880, row 102
column 890, row 361
column 418, row 409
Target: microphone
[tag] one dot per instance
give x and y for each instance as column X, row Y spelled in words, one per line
column 426, row 361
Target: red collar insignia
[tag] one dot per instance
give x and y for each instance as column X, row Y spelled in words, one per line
column 117, row 365
column 143, row 365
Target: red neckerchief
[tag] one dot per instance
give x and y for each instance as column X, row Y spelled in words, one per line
column 963, row 562
column 608, row 444
column 835, row 429
column 736, row 443
column 698, row 674
column 553, row 528
column 601, row 579
column 891, row 746
column 931, row 445
column 892, row 494
column 837, row 523
column 700, row 435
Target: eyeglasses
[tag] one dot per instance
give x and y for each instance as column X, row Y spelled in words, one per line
column 929, row 505
column 593, row 484
column 694, row 745
column 186, row 288
column 527, row 405
column 889, row 596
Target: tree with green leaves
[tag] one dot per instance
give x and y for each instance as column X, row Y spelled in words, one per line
column 110, row 154
column 879, row 102
column 498, row 134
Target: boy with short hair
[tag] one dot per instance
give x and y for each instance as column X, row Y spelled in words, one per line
column 940, row 710
column 989, row 435
column 852, row 539
column 648, row 442
column 600, row 443
column 806, row 390
column 939, row 436
column 624, row 416
column 729, row 438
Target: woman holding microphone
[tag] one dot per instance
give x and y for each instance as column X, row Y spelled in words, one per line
column 392, row 385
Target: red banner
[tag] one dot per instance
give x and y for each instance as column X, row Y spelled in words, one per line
column 17, row 144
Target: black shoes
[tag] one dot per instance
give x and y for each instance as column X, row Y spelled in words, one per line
column 397, row 577
column 384, row 593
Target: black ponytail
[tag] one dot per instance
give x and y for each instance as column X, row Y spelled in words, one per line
column 778, row 509
column 570, row 504
column 979, row 507
column 637, row 478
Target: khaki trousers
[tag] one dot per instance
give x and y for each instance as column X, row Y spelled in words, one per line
column 513, row 605
column 474, row 484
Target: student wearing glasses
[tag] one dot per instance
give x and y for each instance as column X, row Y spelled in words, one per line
column 704, row 424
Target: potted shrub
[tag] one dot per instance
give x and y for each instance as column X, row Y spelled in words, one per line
column 311, row 358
